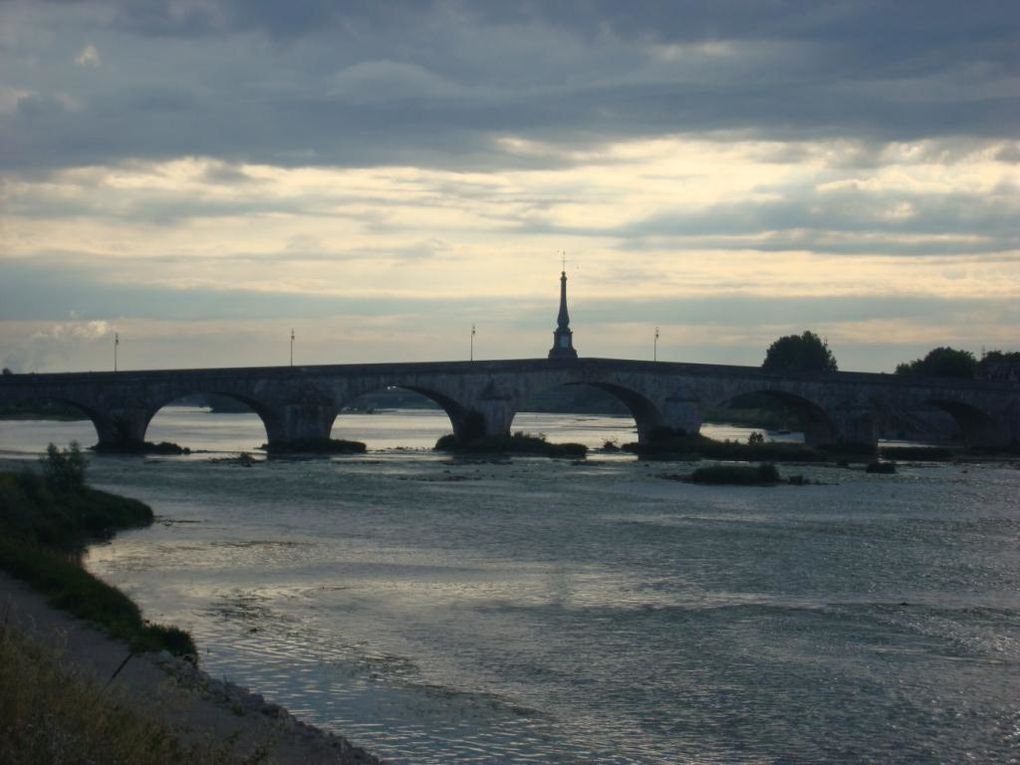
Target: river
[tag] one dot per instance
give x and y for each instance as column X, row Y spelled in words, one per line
column 440, row 610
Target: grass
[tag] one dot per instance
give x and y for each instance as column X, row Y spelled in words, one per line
column 50, row 713
column 69, row 587
column 33, row 509
column 47, row 520
column 518, row 443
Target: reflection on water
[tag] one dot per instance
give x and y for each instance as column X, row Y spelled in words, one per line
column 530, row 610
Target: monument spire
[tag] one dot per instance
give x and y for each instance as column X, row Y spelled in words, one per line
column 563, row 338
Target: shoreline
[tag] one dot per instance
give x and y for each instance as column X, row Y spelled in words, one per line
column 196, row 705
column 59, row 619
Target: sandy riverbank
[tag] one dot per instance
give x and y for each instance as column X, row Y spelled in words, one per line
column 199, row 706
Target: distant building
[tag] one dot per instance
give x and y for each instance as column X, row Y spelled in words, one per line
column 563, row 338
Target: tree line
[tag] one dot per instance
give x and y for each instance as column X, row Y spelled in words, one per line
column 808, row 352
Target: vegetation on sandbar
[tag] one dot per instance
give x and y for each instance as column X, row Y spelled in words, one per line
column 47, row 519
column 315, row 446
column 764, row 474
column 518, row 443
column 146, row 447
column 666, row 443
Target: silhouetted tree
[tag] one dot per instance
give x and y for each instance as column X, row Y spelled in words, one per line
column 800, row 353
column 7, row 371
column 942, row 362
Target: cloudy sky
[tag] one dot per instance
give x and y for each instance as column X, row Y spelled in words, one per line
column 203, row 176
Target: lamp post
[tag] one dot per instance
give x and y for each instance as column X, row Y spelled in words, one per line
column 471, row 356
column 292, row 347
column 116, row 342
column 655, row 345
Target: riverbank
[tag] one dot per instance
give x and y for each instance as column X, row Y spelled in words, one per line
column 82, row 672
column 180, row 710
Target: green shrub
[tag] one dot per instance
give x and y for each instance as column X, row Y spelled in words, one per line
column 65, row 468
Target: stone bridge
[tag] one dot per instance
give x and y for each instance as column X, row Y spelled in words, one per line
column 482, row 397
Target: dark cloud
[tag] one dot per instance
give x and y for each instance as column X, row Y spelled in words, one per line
column 40, row 292
column 432, row 84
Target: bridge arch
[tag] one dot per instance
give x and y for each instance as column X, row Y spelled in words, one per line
column 975, row 425
column 463, row 420
column 608, row 397
column 817, row 423
column 59, row 425
column 247, row 404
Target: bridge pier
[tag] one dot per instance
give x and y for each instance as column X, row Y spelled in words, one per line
column 681, row 413
column 121, row 429
column 292, row 423
column 490, row 414
column 850, row 424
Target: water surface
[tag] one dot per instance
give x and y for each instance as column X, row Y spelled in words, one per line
column 530, row 610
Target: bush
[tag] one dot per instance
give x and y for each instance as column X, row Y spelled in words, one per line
column 65, row 468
